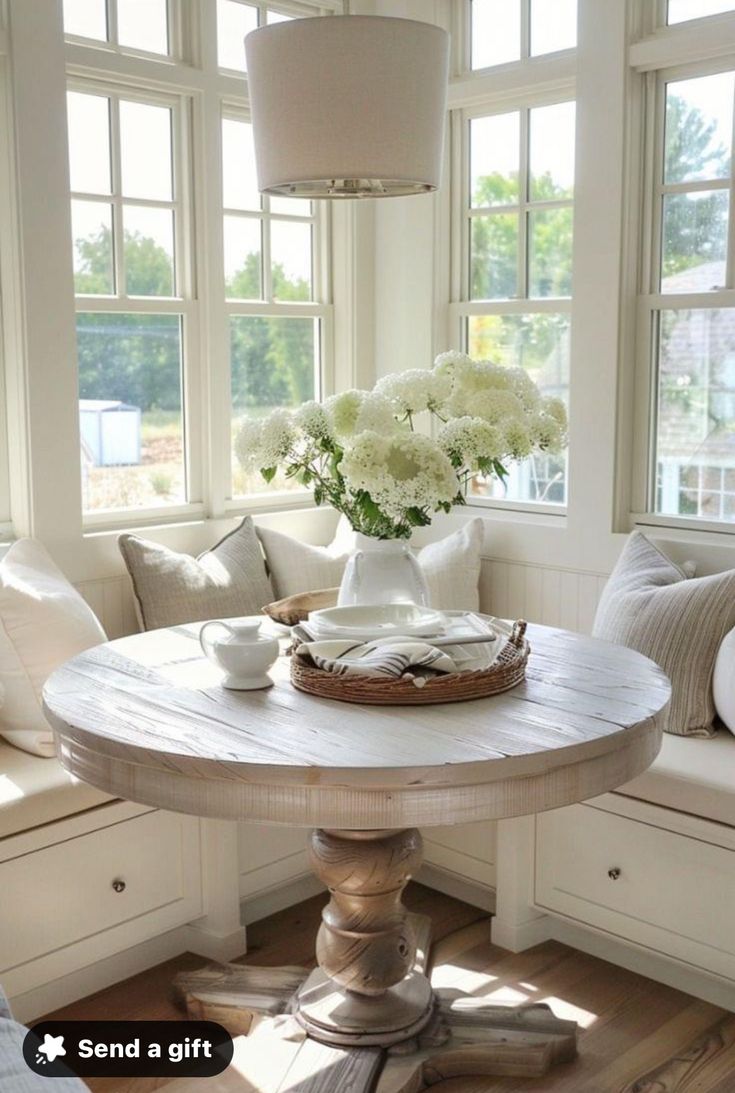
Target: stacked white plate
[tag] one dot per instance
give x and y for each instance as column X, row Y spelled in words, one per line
column 399, row 620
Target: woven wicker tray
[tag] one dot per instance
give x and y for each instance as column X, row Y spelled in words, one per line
column 508, row 671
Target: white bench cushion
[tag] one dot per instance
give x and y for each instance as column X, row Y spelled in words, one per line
column 691, row 775
column 35, row 791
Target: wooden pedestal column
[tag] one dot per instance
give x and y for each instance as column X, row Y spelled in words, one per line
column 367, row 989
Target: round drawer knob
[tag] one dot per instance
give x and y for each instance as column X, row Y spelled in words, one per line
column 119, row 885
column 613, row 873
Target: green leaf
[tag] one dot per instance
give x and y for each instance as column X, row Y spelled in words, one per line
column 318, row 494
column 269, row 473
column 417, row 518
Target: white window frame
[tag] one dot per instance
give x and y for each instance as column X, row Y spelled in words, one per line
column 184, row 303
column 516, row 86
column 698, row 47
column 318, row 308
column 202, row 92
column 463, row 38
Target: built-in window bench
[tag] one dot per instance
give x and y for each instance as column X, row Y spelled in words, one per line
column 95, row 888
column 639, row 876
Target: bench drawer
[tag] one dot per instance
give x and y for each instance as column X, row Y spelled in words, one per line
column 60, row 894
column 666, row 891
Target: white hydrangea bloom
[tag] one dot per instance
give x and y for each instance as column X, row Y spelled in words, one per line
column 342, row 410
column 518, row 442
column 556, row 409
column 376, row 414
column 248, row 443
column 524, row 388
column 314, row 420
column 546, row 433
column 416, row 389
column 447, row 363
column 277, row 438
column 496, row 406
column 399, row 472
column 470, row 439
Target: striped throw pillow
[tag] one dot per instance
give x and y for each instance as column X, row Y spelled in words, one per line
column 650, row 605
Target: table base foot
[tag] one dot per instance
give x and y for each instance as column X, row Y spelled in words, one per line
column 333, row 1015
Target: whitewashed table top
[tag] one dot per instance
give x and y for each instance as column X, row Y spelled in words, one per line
column 146, row 718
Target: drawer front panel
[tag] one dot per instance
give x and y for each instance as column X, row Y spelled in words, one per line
column 669, row 892
column 66, row 892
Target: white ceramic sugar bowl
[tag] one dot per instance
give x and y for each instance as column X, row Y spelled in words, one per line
column 241, row 651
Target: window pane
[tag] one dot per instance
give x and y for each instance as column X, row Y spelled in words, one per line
column 277, row 17
column 130, row 411
column 86, row 18
column 89, row 143
column 243, row 280
column 274, row 362
column 551, row 154
column 553, row 25
column 239, row 179
column 494, row 159
column 145, row 142
column 540, row 344
column 699, row 128
column 291, row 260
column 143, row 24
column 496, row 32
column 694, row 241
column 234, row 21
column 550, row 252
column 695, row 443
column 91, row 228
column 149, row 251
column 494, row 256
column 682, row 10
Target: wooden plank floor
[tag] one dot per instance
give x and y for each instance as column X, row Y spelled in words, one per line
column 638, row 1036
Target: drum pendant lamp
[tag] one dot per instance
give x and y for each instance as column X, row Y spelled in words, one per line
column 348, row 106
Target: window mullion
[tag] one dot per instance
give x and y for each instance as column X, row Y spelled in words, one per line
column 526, row 29
column 117, row 210
column 524, row 207
column 730, row 255
column 112, row 21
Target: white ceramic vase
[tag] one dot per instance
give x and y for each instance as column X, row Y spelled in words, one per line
column 382, row 571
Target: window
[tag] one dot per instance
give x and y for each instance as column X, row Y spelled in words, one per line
column 516, row 275
column 197, row 299
column 502, row 31
column 128, row 235
column 235, row 19
column 681, row 11
column 689, row 313
column 133, row 24
column 271, row 282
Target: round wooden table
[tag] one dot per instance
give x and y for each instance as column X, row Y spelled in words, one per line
column 145, row 718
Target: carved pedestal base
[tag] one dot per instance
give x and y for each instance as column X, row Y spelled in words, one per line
column 369, row 1008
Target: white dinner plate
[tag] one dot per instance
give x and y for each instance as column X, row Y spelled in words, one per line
column 376, row 621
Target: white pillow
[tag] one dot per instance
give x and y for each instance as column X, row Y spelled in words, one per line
column 451, row 565
column 723, row 681
column 43, row 622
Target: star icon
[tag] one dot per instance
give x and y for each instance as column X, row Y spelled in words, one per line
column 52, row 1047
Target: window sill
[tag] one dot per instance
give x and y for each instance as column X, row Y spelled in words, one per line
column 518, row 511
column 715, row 532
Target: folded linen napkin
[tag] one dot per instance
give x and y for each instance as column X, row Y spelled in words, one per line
column 383, row 658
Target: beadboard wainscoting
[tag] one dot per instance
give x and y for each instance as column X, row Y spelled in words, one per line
column 544, row 594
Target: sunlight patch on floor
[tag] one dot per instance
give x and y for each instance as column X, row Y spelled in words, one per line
column 450, row 975
column 568, row 1011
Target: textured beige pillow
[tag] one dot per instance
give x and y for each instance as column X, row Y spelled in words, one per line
column 649, row 604
column 171, row 588
column 451, row 565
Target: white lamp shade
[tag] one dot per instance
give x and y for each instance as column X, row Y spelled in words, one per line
column 348, row 106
